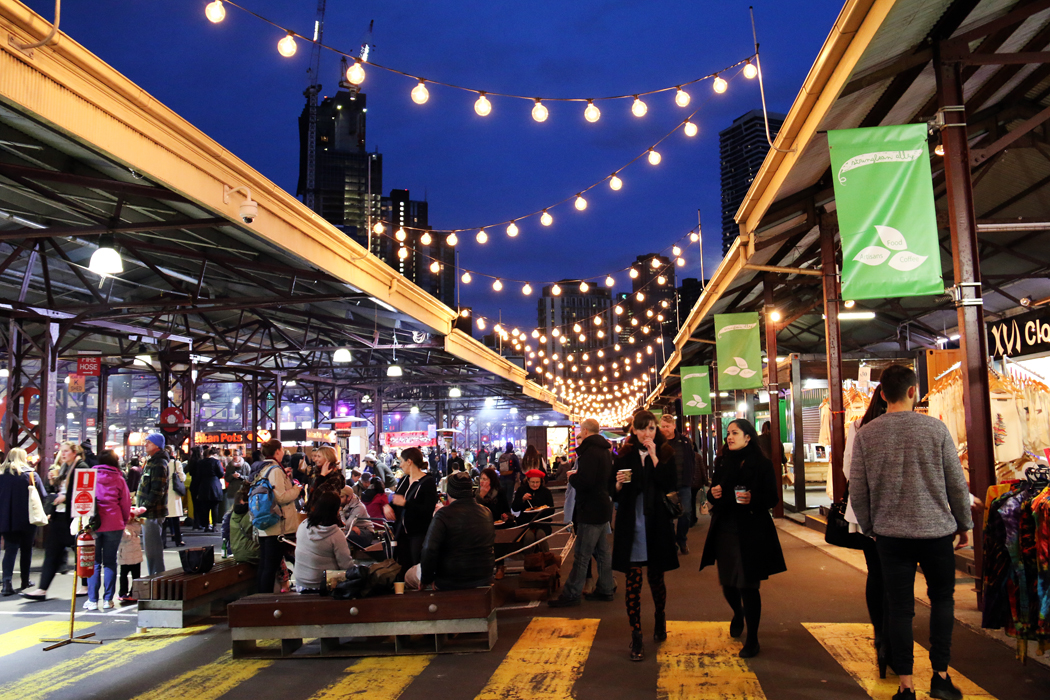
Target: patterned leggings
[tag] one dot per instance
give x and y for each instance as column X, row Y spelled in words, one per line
column 634, row 594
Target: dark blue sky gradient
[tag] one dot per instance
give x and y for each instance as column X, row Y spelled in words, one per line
column 229, row 81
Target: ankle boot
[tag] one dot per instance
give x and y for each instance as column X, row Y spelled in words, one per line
column 660, row 631
column 637, row 648
column 7, row 589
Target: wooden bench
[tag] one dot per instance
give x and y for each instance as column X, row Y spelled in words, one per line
column 177, row 599
column 418, row 622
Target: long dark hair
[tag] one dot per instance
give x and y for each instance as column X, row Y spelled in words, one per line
column 324, row 510
column 751, row 452
column 532, row 456
column 375, row 487
column 876, row 408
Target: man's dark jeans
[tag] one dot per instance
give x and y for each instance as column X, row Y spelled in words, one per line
column 937, row 558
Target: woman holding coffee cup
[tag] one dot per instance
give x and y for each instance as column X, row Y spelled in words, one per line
column 644, row 536
column 743, row 489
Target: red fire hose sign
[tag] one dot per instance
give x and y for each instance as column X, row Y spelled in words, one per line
column 84, row 493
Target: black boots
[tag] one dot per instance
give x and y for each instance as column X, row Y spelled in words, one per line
column 637, row 649
column 736, row 627
column 660, row 630
column 7, row 589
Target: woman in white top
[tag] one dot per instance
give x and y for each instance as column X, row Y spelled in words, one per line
column 175, row 506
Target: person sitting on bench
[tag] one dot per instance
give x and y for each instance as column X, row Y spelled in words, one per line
column 356, row 525
column 534, row 501
column 320, row 544
column 458, row 551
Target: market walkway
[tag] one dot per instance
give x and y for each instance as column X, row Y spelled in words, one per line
column 815, row 644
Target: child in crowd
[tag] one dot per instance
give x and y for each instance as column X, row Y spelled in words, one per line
column 129, row 557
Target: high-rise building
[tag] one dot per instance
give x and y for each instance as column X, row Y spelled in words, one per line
column 404, row 216
column 656, row 283
column 557, row 319
column 688, row 295
column 742, row 148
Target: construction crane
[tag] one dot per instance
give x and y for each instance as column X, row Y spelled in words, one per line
column 311, row 92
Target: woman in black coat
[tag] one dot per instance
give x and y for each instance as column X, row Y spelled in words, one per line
column 207, row 476
column 644, row 534
column 742, row 537
column 413, row 502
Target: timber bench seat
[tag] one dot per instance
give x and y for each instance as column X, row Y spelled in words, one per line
column 418, row 622
column 176, row 599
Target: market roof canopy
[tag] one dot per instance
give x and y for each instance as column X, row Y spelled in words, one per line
column 85, row 152
column 875, row 69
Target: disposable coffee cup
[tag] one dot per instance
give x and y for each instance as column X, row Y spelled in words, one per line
column 399, row 587
column 740, row 491
column 627, row 478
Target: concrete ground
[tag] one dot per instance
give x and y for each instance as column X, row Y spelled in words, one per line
column 815, row 644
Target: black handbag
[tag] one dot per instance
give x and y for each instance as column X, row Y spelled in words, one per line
column 837, row 531
column 673, row 504
column 197, row 560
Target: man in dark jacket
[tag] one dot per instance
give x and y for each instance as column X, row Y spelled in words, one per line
column 593, row 511
column 459, row 549
column 685, row 461
column 455, row 462
column 152, row 502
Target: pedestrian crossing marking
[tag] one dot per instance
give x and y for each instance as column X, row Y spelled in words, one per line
column 545, row 662
column 208, row 682
column 378, row 678
column 852, row 646
column 30, row 636
column 699, row 661
column 108, row 657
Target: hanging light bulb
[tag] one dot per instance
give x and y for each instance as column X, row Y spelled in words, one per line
column 638, row 109
column 497, row 285
column 750, row 70
column 634, row 274
column 286, row 46
column 576, row 328
column 466, row 278
column 378, row 228
column 676, row 251
column 555, row 291
column 512, row 229
column 420, row 94
column 527, row 289
column 539, row 112
column 609, row 281
column 681, row 262
column 694, row 236
column 425, row 239
column 584, row 287
column 615, row 182
column 402, row 252
column 720, row 85
column 639, row 296
column 341, row 355
column 483, row 107
column 654, row 157
column 356, row 73
column 591, row 113
column 655, row 262
column 452, row 239
column 435, row 267
column 661, row 280
column 681, row 98
column 597, row 320
column 215, row 12
column 546, row 219
column 580, row 203
column 106, row 260
column 482, row 237
column 690, row 129
column 618, row 309
column 481, row 323
column 401, row 235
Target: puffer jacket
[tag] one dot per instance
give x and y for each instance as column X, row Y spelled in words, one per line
column 459, row 547
column 243, row 544
column 112, row 499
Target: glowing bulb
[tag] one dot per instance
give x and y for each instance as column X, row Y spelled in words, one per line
column 581, row 203
column 286, row 46
column 527, row 289
column 420, row 94
column 655, row 262
column 215, row 12
column 576, row 328
column 681, row 98
column 654, row 157
column 661, row 280
column 482, row 237
column 690, row 129
column 356, row 73
column 634, row 274
column 694, row 237
column 676, row 251
column 466, row 278
column 512, row 229
column 639, row 296
column 402, row 253
column 539, row 112
column 591, row 113
column 546, row 219
column 615, row 182
column 850, row 303
column 435, row 267
column 597, row 320
column 618, row 309
column 481, row 323
column 425, row 239
column 401, row 235
column 379, row 228
column 497, row 285
column 555, row 290
column 584, row 287
column 483, row 107
column 939, row 149
column 638, row 109
column 720, row 85
column 452, row 239
column 609, row 281
column 775, row 316
column 681, row 262
column 750, row 70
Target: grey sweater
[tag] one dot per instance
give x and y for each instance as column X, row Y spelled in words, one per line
column 906, row 480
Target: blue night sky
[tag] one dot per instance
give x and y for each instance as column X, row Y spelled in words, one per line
column 229, row 81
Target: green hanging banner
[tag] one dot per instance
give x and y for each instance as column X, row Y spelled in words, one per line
column 696, row 391
column 886, row 214
column 739, row 346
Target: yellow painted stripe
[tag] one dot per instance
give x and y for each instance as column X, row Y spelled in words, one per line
column 208, row 682
column 29, row 636
column 110, row 656
column 545, row 662
column 377, row 678
column 699, row 662
column 852, row 645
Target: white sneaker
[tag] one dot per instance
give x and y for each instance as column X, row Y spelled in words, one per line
column 88, row 605
column 108, row 605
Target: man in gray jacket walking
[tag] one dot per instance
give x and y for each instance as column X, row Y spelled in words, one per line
column 908, row 490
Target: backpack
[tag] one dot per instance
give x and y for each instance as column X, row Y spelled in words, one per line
column 506, row 466
column 262, row 503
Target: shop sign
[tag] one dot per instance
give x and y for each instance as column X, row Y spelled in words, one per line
column 320, row 435
column 88, row 366
column 89, row 422
column 696, row 391
column 84, row 492
column 414, row 438
column 219, row 437
column 76, row 384
column 739, row 346
column 1027, row 334
column 886, row 214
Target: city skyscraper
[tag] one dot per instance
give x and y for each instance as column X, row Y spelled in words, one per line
column 404, row 216
column 558, row 315
column 656, row 283
column 742, row 147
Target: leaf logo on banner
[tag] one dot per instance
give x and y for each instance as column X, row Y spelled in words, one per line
column 894, row 240
column 740, row 368
column 697, row 401
column 872, row 255
column 891, row 238
column 906, row 262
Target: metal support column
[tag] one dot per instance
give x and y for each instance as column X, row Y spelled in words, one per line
column 377, row 401
column 798, row 452
column 278, row 390
column 833, row 338
column 968, row 297
column 101, row 422
column 776, row 448
column 45, row 429
column 255, row 412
